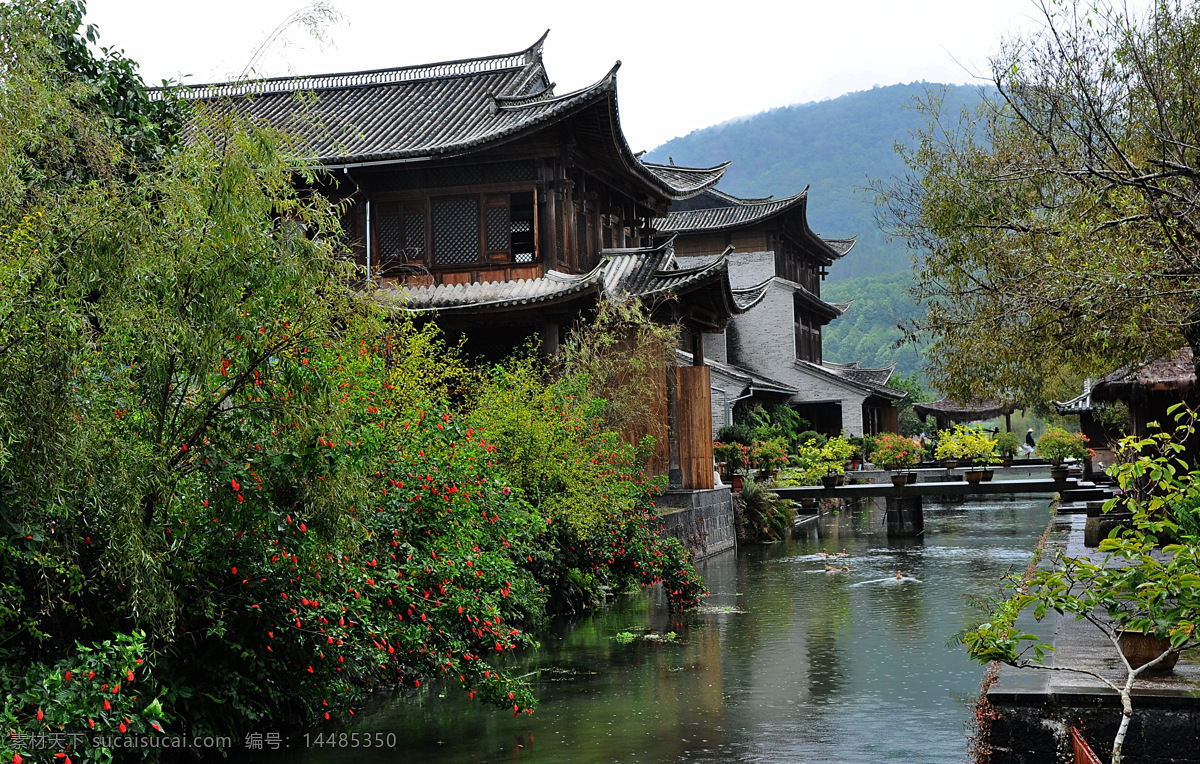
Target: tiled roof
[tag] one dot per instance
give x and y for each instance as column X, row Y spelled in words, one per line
column 828, row 310
column 728, row 216
column 697, row 178
column 838, row 372
column 1077, row 405
column 739, row 374
column 736, row 213
column 856, row 372
column 434, row 110
column 643, row 273
column 551, row 288
column 747, row 297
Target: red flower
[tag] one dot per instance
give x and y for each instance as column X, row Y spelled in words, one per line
column 107, row 705
column 39, row 714
column 235, row 485
column 121, row 726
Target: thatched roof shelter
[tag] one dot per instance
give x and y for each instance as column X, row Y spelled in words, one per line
column 946, row 412
column 1174, row 373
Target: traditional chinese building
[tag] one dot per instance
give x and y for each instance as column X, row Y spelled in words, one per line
column 771, row 351
column 488, row 202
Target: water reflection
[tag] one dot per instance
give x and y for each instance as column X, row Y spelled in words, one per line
column 784, row 663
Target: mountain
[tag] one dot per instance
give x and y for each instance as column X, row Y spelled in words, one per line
column 835, row 147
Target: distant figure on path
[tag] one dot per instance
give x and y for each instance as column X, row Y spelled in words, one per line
column 1029, row 444
column 899, row 576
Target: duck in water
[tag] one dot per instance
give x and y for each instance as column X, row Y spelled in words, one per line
column 899, row 576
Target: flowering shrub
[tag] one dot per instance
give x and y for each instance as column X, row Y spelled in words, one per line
column 769, row 455
column 894, row 451
column 1057, row 444
column 734, row 456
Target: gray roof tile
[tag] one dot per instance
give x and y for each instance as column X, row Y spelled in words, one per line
column 441, row 109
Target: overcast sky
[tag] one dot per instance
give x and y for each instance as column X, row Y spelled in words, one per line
column 685, row 65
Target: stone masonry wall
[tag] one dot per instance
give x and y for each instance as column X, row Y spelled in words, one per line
column 1036, row 734
column 701, row 520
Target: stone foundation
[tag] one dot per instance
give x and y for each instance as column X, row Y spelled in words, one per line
column 1156, row 735
column 701, row 520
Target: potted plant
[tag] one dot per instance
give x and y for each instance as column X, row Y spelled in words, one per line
column 768, row 457
column 949, row 448
column 1007, row 444
column 896, row 452
column 730, row 456
column 1057, row 445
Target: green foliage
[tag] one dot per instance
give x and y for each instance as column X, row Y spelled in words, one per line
column 1007, row 444
column 811, row 438
column 1057, row 444
column 762, row 515
column 226, row 475
column 1043, row 248
column 768, row 455
column 734, row 456
column 966, row 442
column 736, row 433
column 871, row 332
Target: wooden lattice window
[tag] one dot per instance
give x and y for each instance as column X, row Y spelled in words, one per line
column 456, row 230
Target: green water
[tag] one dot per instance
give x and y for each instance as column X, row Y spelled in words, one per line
column 784, row 663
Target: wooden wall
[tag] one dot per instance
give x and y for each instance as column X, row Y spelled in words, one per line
column 695, row 427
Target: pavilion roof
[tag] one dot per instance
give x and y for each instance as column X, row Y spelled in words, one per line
column 968, row 411
column 443, row 109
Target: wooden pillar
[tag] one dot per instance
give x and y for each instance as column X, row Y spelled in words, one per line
column 548, row 333
column 674, row 471
column 697, row 347
column 695, row 427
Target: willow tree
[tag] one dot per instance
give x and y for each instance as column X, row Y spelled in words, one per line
column 1057, row 225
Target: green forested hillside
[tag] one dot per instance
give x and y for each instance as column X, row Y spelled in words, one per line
column 835, row 147
column 867, row 332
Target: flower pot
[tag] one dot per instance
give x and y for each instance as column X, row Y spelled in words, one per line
column 1006, row 462
column 829, row 481
column 973, row 476
column 988, row 475
column 1140, row 648
column 949, row 463
column 1058, row 474
column 736, row 481
column 911, row 478
column 899, row 479
column 841, row 478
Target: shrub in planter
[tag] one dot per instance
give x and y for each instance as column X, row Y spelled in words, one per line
column 1058, row 444
column 734, row 456
column 769, row 455
column 893, row 451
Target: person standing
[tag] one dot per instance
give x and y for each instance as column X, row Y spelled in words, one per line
column 1030, row 445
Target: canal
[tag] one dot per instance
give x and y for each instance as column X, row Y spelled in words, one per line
column 785, row 662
